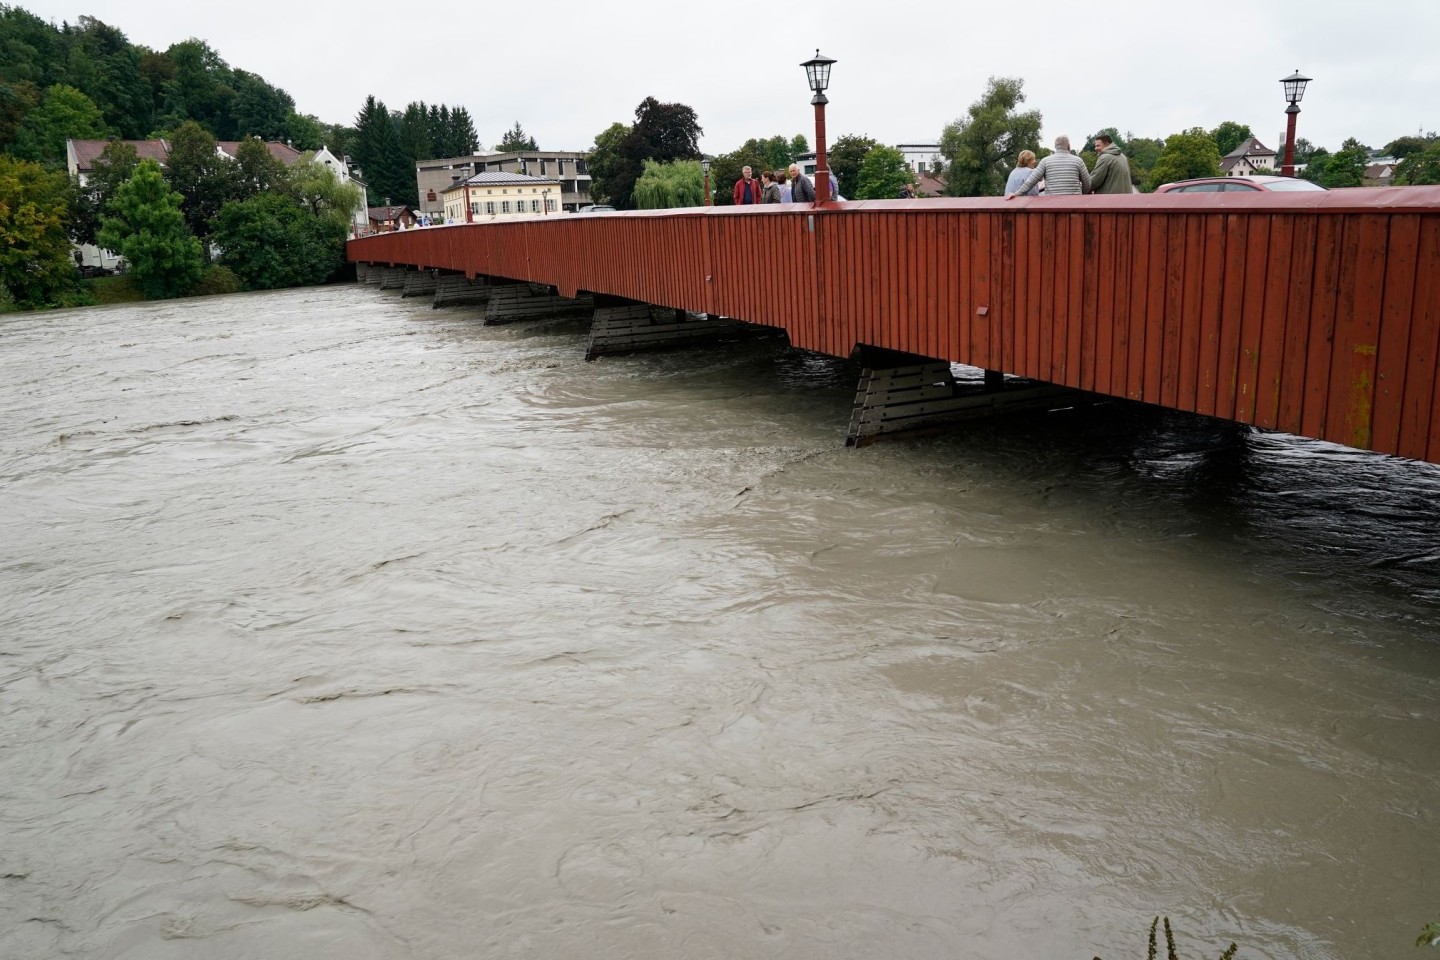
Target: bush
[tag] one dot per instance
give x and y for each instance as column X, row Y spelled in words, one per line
column 121, row 289
column 217, row 279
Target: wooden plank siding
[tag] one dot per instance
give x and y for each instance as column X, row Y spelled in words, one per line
column 1313, row 313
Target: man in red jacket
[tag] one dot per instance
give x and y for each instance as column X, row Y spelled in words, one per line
column 747, row 188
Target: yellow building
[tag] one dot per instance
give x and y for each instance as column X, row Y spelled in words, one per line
column 500, row 196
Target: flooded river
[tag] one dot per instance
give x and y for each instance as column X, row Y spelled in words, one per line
column 332, row 626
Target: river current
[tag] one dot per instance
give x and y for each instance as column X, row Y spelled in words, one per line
column 334, row 626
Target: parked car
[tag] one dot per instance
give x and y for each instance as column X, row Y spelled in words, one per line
column 597, row 208
column 1238, row 185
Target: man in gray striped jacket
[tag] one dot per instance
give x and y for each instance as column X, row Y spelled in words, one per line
column 1064, row 173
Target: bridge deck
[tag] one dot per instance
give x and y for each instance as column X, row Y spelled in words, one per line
column 1314, row 313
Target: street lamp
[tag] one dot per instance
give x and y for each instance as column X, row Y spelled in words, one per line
column 705, row 169
column 817, row 72
column 1294, row 90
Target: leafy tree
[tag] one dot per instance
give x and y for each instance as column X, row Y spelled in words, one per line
column 661, row 132
column 304, row 132
column 319, row 190
column 198, row 89
column 1420, row 168
column 1355, row 145
column 257, row 170
column 258, row 109
column 845, row 157
column 115, row 165
column 104, row 66
column 377, row 149
column 269, row 241
column 1144, row 153
column 605, row 159
column 64, row 113
column 1186, row 155
column 35, row 264
column 798, row 145
column 1303, row 151
column 196, row 171
column 516, row 139
column 145, row 226
column 17, row 98
column 679, row 183
column 1316, row 165
column 981, row 149
column 1230, row 135
column 1345, row 168
column 30, row 49
column 1402, row 147
column 882, row 174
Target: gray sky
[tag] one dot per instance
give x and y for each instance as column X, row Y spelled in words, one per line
column 901, row 74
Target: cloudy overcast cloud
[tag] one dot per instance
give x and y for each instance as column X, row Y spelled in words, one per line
column 567, row 71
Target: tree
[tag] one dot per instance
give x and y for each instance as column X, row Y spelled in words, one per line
column 605, row 159
column 65, row 113
column 882, row 175
column 104, row 65
column 304, row 131
column 377, row 149
column 516, row 139
column 1186, row 155
column 661, row 132
column 257, row 170
column 35, row 264
column 798, row 145
column 199, row 89
column 258, row 109
column 1303, row 150
column 319, row 190
column 981, row 149
column 1345, row 168
column 845, row 158
column 463, row 140
column 145, row 226
column 678, row 183
column 269, row 241
column 414, row 132
column 1230, row 135
column 197, row 172
column 1420, row 168
column 1144, row 153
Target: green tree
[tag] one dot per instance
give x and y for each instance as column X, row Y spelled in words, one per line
column 1345, row 168
column 104, row 65
column 882, row 175
column 198, row 89
column 304, row 132
column 1316, row 165
column 981, row 149
column 269, row 241
column 1420, row 168
column 678, row 183
column 845, row 158
column 145, row 226
column 195, row 170
column 605, row 158
column 319, row 190
column 662, row 132
column 1187, row 155
column 414, row 132
column 256, row 169
column 463, row 140
column 35, row 264
column 798, row 145
column 377, row 149
column 1230, row 135
column 516, row 139
column 65, row 113
column 258, row 109
column 1144, row 153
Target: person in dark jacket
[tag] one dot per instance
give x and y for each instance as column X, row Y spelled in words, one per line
column 747, row 188
column 801, row 189
column 1112, row 169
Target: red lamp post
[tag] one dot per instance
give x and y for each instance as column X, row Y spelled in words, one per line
column 1294, row 91
column 817, row 72
column 705, row 169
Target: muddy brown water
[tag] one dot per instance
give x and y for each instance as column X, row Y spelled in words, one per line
column 335, row 626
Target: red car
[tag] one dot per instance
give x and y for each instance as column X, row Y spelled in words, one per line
column 1237, row 185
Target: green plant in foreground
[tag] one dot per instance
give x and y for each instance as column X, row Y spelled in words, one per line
column 1430, row 935
column 1170, row 953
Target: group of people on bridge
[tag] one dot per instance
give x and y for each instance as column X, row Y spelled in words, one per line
column 779, row 186
column 1063, row 173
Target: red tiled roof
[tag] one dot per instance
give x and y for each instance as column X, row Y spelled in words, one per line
column 88, row 151
column 283, row 152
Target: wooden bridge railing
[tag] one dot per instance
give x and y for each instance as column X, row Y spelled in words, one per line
column 1313, row 313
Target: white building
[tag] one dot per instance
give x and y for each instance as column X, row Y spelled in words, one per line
column 1251, row 158
column 359, row 218
column 500, row 196
column 919, row 157
column 568, row 168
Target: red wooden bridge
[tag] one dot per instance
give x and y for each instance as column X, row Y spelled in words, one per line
column 1312, row 313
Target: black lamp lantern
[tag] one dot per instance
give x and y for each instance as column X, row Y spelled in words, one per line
column 1294, row 86
column 817, row 72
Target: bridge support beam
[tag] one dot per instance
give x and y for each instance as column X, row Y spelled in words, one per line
column 903, row 395
column 418, row 283
column 622, row 326
column 361, row 272
column 393, row 278
column 523, row 301
column 453, row 288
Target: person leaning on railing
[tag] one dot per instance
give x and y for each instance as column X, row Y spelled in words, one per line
column 1064, row 173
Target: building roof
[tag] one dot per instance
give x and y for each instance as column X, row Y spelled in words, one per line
column 88, row 151
column 502, row 180
column 930, row 186
column 393, row 212
column 1251, row 148
column 283, row 152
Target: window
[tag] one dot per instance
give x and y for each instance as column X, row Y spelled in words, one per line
column 534, row 206
column 505, row 206
column 490, row 208
column 922, row 166
column 550, row 205
column 560, row 167
column 475, row 206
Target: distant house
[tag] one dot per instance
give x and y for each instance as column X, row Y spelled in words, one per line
column 283, row 152
column 500, row 196
column 1250, row 159
column 567, row 168
column 919, row 157
column 1380, row 172
column 341, row 169
column 389, row 218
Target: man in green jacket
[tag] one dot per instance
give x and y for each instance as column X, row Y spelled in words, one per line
column 1112, row 169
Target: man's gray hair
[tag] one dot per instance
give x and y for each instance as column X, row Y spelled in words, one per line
column 1062, row 142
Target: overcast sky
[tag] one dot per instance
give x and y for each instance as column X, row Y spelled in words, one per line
column 902, row 72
